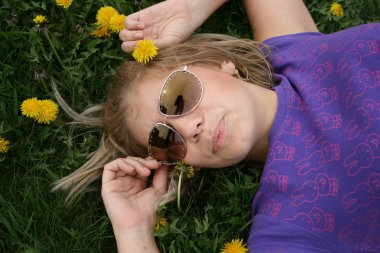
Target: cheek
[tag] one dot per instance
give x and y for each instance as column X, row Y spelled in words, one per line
column 139, row 132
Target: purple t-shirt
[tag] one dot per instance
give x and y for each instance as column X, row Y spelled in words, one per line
column 320, row 188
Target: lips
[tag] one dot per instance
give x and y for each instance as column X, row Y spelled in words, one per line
column 219, row 136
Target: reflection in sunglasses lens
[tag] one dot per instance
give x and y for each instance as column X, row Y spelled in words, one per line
column 180, row 94
column 166, row 144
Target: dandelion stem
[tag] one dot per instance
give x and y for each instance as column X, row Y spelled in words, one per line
column 179, row 190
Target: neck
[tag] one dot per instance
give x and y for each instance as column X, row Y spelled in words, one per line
column 266, row 104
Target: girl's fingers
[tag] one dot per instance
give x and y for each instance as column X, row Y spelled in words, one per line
column 132, row 22
column 132, row 166
column 141, row 169
column 148, row 162
column 128, row 35
column 160, row 179
column 114, row 168
column 128, row 46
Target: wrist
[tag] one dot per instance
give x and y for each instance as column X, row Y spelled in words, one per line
column 136, row 240
column 200, row 10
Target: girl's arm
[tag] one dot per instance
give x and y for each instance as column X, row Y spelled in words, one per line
column 270, row 18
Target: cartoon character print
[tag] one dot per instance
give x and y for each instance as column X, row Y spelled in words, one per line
column 312, row 81
column 363, row 156
column 368, row 111
column 363, row 234
column 295, row 102
column 317, row 51
column 358, row 85
column 342, row 43
column 316, row 220
column 311, row 190
column 365, row 194
column 329, row 152
column 289, row 53
column 279, row 151
column 290, row 126
column 324, row 122
column 352, row 35
column 271, row 208
column 354, row 56
column 274, row 182
column 323, row 97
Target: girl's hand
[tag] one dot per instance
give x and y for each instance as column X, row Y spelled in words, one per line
column 166, row 23
column 130, row 203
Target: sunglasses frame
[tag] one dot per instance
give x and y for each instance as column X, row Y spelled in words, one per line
column 185, row 71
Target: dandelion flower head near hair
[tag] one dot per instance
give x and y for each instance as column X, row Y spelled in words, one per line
column 100, row 32
column 104, row 16
column 144, row 51
column 116, row 23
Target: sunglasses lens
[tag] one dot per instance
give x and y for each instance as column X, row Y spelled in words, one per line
column 165, row 144
column 181, row 93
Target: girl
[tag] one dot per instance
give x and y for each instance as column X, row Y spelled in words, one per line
column 306, row 103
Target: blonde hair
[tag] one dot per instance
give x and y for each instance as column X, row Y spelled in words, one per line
column 211, row 49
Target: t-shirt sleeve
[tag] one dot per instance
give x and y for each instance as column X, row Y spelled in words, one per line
column 285, row 41
column 285, row 46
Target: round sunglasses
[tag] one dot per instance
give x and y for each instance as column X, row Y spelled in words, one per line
column 180, row 94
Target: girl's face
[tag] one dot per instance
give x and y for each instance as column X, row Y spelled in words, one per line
column 222, row 130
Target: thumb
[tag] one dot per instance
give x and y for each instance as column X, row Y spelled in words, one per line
column 160, row 179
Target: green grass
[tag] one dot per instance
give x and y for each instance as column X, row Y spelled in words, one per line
column 32, row 219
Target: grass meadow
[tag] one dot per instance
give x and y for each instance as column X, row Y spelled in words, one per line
column 32, row 218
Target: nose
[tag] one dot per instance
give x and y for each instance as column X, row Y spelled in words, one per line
column 190, row 127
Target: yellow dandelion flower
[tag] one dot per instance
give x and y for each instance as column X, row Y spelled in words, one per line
column 336, row 9
column 64, row 3
column 161, row 223
column 39, row 19
column 116, row 23
column 48, row 113
column 185, row 168
column 31, row 108
column 144, row 51
column 104, row 15
column 100, row 32
column 235, row 246
column 4, row 145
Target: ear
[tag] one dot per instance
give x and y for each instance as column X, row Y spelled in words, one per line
column 228, row 67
